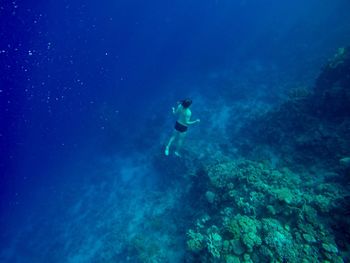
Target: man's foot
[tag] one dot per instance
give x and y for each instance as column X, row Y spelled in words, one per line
column 177, row 154
column 166, row 151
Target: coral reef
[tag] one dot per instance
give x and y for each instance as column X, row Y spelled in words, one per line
column 263, row 210
column 287, row 221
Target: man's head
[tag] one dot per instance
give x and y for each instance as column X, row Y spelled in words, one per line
column 186, row 103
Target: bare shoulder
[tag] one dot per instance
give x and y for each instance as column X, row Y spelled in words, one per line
column 178, row 109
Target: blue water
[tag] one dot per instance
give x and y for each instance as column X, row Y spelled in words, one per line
column 86, row 90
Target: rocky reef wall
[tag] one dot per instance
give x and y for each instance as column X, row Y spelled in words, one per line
column 250, row 209
column 312, row 126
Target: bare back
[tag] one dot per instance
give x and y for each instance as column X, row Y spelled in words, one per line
column 184, row 115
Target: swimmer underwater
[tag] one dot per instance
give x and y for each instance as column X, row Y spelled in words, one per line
column 181, row 125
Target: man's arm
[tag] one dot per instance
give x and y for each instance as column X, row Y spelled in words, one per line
column 193, row 122
column 189, row 122
column 175, row 111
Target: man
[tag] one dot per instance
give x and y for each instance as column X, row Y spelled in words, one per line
column 181, row 125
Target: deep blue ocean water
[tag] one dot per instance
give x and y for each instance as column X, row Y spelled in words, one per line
column 86, row 90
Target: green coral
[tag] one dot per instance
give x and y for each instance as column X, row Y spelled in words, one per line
column 338, row 58
column 221, row 173
column 280, row 240
column 256, row 190
column 214, row 244
column 323, row 203
column 246, row 229
column 195, row 241
column 232, row 259
column 284, row 195
column 330, row 248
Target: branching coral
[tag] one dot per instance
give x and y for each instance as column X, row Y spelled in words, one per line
column 246, row 229
column 254, row 190
column 284, row 195
column 195, row 241
column 214, row 244
column 280, row 240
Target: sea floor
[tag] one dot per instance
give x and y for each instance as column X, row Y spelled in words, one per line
column 117, row 213
column 146, row 207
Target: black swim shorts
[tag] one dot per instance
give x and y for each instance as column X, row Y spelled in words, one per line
column 180, row 127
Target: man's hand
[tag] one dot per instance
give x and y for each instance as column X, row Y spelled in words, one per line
column 173, row 109
column 198, row 120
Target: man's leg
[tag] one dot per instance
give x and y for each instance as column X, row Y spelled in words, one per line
column 179, row 143
column 172, row 138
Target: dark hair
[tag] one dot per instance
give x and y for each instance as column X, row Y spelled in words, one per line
column 186, row 103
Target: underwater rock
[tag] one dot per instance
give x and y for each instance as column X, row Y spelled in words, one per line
column 202, row 221
column 345, row 161
column 284, row 195
column 331, row 98
column 237, row 247
column 265, row 253
column 247, row 259
column 271, row 210
column 309, row 238
column 330, row 248
column 210, row 197
column 323, row 203
column 226, row 248
column 232, row 259
column 311, row 129
column 336, row 69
